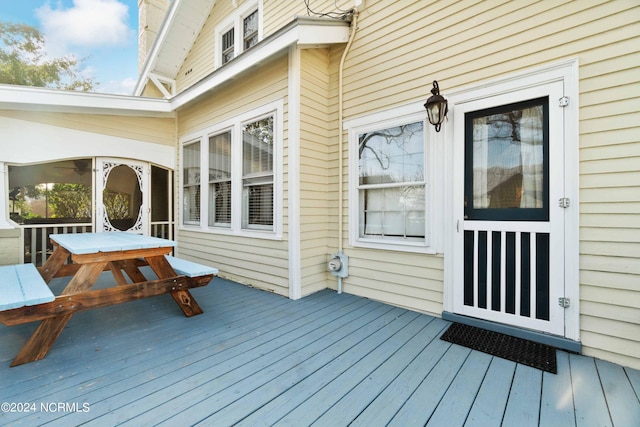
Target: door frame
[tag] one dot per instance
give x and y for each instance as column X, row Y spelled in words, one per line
column 567, row 73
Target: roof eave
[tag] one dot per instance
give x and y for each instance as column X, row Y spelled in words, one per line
column 159, row 43
column 51, row 100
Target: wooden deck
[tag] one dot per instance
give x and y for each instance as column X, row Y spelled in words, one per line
column 254, row 358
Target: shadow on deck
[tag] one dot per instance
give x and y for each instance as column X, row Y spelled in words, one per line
column 254, row 358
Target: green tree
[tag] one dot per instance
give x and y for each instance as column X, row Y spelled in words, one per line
column 23, row 61
column 70, row 200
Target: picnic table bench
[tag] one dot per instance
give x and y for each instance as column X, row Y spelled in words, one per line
column 26, row 297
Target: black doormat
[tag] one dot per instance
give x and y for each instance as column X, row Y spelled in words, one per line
column 518, row 350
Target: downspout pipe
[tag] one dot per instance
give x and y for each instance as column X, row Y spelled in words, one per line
column 354, row 27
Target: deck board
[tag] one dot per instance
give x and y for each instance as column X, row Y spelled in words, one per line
column 387, row 324
column 453, row 409
column 420, row 405
column 556, row 406
column 590, row 403
column 489, row 405
column 523, row 406
column 388, row 403
column 256, row 358
column 622, row 401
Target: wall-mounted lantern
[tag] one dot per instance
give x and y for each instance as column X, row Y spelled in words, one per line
column 437, row 107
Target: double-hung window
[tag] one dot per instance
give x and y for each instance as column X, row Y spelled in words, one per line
column 191, row 183
column 228, row 46
column 239, row 191
column 257, row 174
column 391, row 169
column 250, row 30
column 239, row 32
column 220, row 180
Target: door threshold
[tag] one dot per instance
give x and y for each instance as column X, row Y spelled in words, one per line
column 550, row 340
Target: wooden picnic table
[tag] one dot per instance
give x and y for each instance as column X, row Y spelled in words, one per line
column 92, row 254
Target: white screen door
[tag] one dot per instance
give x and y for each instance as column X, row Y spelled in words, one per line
column 509, row 243
column 122, row 199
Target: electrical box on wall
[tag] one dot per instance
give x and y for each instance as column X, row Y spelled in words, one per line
column 338, row 265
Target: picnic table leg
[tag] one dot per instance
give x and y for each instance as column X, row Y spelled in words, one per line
column 182, row 297
column 116, row 270
column 49, row 330
column 53, row 263
column 186, row 302
column 45, row 335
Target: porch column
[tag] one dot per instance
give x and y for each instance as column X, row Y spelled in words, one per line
column 4, row 198
column 10, row 252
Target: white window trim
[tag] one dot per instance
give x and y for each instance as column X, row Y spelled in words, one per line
column 234, row 125
column 433, row 171
column 235, row 20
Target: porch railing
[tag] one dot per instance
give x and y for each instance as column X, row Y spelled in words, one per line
column 36, row 246
column 35, row 239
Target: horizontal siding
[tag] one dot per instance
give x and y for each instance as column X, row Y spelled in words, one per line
column 200, row 60
column 261, row 263
column 147, row 129
column 278, row 13
column 413, row 281
column 314, row 142
column 393, row 61
column 257, row 87
column 610, row 193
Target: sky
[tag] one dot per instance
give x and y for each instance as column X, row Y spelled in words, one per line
column 105, row 32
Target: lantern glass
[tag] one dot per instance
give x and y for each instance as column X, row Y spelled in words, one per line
column 436, row 110
column 437, row 107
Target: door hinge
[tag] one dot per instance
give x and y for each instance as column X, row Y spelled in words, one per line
column 564, row 302
column 564, row 101
column 563, row 202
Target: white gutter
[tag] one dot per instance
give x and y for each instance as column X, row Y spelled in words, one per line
column 354, row 28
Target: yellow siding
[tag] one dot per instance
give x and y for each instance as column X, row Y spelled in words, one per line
column 10, row 246
column 258, row 263
column 256, row 87
column 200, row 60
column 148, row 129
column 314, row 143
column 151, row 91
column 401, row 47
column 279, row 13
column 261, row 263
